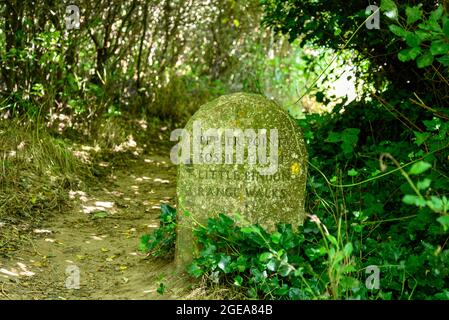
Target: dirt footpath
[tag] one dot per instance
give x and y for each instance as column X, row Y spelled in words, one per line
column 98, row 239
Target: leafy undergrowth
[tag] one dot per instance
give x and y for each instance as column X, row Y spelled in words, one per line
column 344, row 258
column 161, row 242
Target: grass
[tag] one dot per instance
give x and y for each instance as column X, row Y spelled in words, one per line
column 36, row 171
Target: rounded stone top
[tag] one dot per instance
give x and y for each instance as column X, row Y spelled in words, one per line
column 243, row 110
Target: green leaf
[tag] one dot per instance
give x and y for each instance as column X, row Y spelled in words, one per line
column 409, row 54
column 389, row 8
column 446, row 27
column 440, row 205
column 439, row 47
column 284, row 270
column 397, row 30
column 161, row 288
column 265, row 256
column 444, row 295
column 99, row 215
column 333, row 137
column 349, row 283
column 276, row 237
column 433, row 125
column 347, row 250
column 224, row 262
column 238, row 280
column 282, row 291
column 419, row 167
column 194, row 270
column 425, row 60
column 414, row 200
column 272, row 265
column 444, row 220
column 437, row 14
column 444, row 60
column 295, row 294
column 332, row 239
column 250, row 229
column 421, row 137
column 423, row 35
column 424, row 184
column 412, row 39
column 352, row 173
column 413, row 14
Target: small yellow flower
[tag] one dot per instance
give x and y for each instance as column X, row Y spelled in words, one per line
column 295, row 168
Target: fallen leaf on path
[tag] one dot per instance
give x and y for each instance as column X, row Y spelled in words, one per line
column 9, row 273
column 149, row 291
column 99, row 215
column 39, row 231
column 161, row 180
column 104, row 204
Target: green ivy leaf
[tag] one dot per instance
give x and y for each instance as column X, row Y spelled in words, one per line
column 223, row 264
column 284, row 270
column 419, row 167
column 352, row 173
column 250, row 229
column 276, row 237
column 282, row 291
column 194, row 270
column 295, row 294
column 333, row 137
column 272, row 265
column 238, row 280
column 161, row 288
column 265, row 256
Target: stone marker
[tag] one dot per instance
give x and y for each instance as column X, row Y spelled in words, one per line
column 239, row 154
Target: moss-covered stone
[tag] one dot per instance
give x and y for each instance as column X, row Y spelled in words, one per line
column 248, row 188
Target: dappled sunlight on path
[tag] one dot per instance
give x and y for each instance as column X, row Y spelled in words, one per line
column 99, row 237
